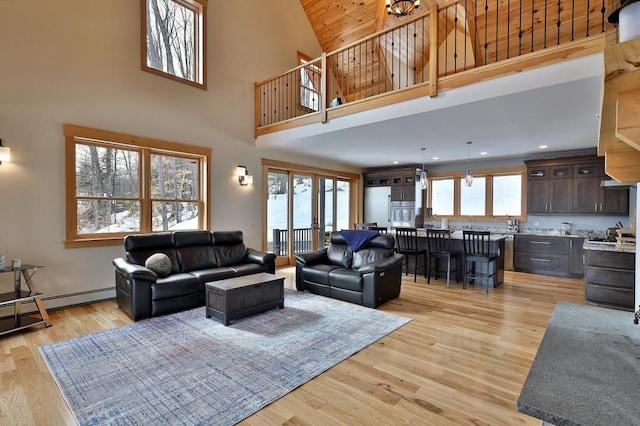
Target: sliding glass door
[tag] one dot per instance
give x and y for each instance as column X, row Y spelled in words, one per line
column 302, row 209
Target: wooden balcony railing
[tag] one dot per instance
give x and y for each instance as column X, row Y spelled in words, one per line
column 450, row 46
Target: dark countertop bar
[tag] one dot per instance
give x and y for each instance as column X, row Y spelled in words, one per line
column 586, row 371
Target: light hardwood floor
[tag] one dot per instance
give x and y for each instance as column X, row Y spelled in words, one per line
column 462, row 360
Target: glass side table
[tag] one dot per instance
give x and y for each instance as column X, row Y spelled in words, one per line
column 18, row 296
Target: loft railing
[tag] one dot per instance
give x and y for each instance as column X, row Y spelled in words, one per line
column 427, row 50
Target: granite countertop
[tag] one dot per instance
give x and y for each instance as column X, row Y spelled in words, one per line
column 457, row 235
column 606, row 246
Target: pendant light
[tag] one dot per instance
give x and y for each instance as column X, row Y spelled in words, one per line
column 468, row 175
column 423, row 173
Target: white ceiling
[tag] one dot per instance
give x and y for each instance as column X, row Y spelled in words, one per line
column 511, row 116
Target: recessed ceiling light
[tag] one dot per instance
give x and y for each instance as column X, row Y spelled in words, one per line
column 436, row 158
column 543, row 146
column 396, row 162
column 484, row 153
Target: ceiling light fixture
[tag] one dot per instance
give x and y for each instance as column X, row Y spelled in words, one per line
column 423, row 173
column 468, row 175
column 402, row 7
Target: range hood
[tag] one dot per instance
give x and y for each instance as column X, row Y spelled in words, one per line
column 614, row 183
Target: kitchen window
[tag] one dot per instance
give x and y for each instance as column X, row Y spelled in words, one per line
column 494, row 195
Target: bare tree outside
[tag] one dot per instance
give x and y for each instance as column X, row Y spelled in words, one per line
column 171, row 38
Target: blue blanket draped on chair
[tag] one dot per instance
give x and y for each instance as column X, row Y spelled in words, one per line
column 358, row 238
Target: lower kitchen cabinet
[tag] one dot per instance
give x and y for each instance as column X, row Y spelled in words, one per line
column 549, row 255
column 610, row 278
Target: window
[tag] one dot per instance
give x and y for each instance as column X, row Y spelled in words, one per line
column 309, row 83
column 442, row 197
column 507, row 195
column 495, row 193
column 173, row 39
column 121, row 184
column 472, row 198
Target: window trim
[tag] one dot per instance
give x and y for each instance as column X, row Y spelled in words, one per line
column 200, row 9
column 145, row 145
column 305, row 61
column 458, row 176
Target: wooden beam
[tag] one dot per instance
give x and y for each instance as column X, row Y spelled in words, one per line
column 628, row 117
column 623, row 165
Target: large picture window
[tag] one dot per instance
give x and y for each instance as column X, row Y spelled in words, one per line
column 122, row 184
column 494, row 195
column 173, row 42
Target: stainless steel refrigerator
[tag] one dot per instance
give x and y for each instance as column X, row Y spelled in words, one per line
column 377, row 205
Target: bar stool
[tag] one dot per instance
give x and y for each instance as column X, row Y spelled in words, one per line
column 364, row 225
column 407, row 239
column 477, row 251
column 439, row 243
column 380, row 229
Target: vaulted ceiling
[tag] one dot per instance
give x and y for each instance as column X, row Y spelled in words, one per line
column 556, row 106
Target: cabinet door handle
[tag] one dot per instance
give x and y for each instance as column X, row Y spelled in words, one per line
column 540, row 242
column 596, row 206
column 600, row 206
column 534, row 259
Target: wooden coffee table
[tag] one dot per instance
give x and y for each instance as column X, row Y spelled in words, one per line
column 239, row 297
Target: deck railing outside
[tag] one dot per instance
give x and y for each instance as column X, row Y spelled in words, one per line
column 460, row 36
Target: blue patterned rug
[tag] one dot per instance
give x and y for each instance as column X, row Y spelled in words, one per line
column 185, row 369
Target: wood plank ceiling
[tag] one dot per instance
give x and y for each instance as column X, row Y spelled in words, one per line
column 368, row 70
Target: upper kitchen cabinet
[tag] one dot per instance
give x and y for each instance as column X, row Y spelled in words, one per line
column 573, row 185
column 550, row 188
column 403, row 186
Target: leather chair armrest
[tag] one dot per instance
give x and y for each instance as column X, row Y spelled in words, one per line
column 259, row 257
column 312, row 257
column 382, row 264
column 137, row 272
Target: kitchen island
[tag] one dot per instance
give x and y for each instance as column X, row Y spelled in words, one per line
column 497, row 245
column 610, row 275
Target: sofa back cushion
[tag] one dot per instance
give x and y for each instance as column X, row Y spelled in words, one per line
column 195, row 251
column 229, row 247
column 339, row 252
column 376, row 249
column 140, row 247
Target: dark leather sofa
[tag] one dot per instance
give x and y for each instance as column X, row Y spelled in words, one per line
column 197, row 257
column 371, row 276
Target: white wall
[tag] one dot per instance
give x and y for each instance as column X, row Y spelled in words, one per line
column 78, row 61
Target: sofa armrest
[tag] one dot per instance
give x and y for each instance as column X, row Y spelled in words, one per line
column 381, row 265
column 137, row 272
column 312, row 257
column 259, row 257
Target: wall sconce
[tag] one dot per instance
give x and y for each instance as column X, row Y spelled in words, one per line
column 5, row 153
column 243, row 176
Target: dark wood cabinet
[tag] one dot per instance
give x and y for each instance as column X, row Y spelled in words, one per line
column 550, row 189
column 576, row 256
column 402, row 182
column 548, row 255
column 610, row 278
column 572, row 185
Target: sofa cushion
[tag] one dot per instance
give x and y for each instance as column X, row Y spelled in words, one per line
column 175, row 285
column 340, row 254
column 346, row 278
column 318, row 273
column 369, row 255
column 159, row 263
column 230, row 255
column 214, row 274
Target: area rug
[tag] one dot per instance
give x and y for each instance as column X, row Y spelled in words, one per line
column 186, row 369
column 586, row 371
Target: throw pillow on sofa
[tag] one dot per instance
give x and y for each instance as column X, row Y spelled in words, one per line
column 159, row 263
